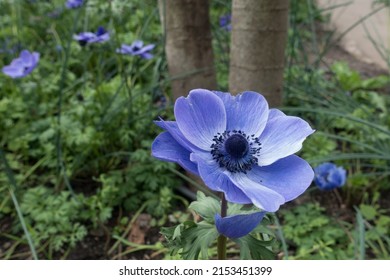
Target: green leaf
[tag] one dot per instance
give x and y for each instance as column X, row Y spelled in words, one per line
column 190, row 239
column 368, row 211
column 238, row 209
column 205, row 206
column 198, row 240
column 254, row 249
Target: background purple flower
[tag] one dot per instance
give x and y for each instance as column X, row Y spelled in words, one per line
column 225, row 22
column 23, row 65
column 71, row 4
column 100, row 36
column 137, row 48
column 238, row 146
column 329, row 176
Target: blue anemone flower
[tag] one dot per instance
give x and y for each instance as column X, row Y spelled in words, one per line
column 329, row 176
column 100, row 36
column 137, row 48
column 238, row 146
column 72, row 4
column 23, row 65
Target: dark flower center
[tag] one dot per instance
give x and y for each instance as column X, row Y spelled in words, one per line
column 135, row 49
column 235, row 151
column 83, row 42
column 236, row 146
column 100, row 31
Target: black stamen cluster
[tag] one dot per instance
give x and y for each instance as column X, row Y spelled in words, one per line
column 235, row 151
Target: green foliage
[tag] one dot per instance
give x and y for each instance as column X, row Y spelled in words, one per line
column 376, row 225
column 205, row 206
column 385, row 2
column 318, row 145
column 314, row 235
column 305, row 12
column 53, row 217
column 83, row 119
column 132, row 186
column 351, row 119
column 252, row 248
column 190, row 239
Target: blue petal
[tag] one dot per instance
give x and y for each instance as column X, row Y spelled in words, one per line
column 124, row 49
column 247, row 112
column 238, row 225
column 289, row 176
column 282, row 137
column 200, row 117
column 340, row 176
column 36, row 57
column 213, row 176
column 84, row 36
column 148, row 47
column 174, row 130
column 27, row 58
column 165, row 147
column 146, row 55
column 100, row 38
column 261, row 196
column 13, row 72
column 274, row 113
column 325, row 168
column 137, row 44
column 100, row 31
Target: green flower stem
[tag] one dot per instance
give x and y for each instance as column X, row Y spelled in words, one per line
column 221, row 243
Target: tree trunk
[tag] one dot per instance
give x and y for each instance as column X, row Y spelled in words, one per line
column 188, row 45
column 259, row 36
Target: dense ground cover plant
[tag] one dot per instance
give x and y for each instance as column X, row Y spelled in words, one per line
column 76, row 129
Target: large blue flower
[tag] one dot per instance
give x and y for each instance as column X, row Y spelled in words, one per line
column 329, row 176
column 238, row 146
column 23, row 65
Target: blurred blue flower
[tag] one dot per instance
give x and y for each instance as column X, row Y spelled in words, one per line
column 329, row 176
column 137, row 48
column 23, row 65
column 72, row 4
column 237, row 226
column 225, row 22
column 100, row 36
column 237, row 146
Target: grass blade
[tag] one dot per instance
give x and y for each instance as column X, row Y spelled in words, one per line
column 11, row 188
